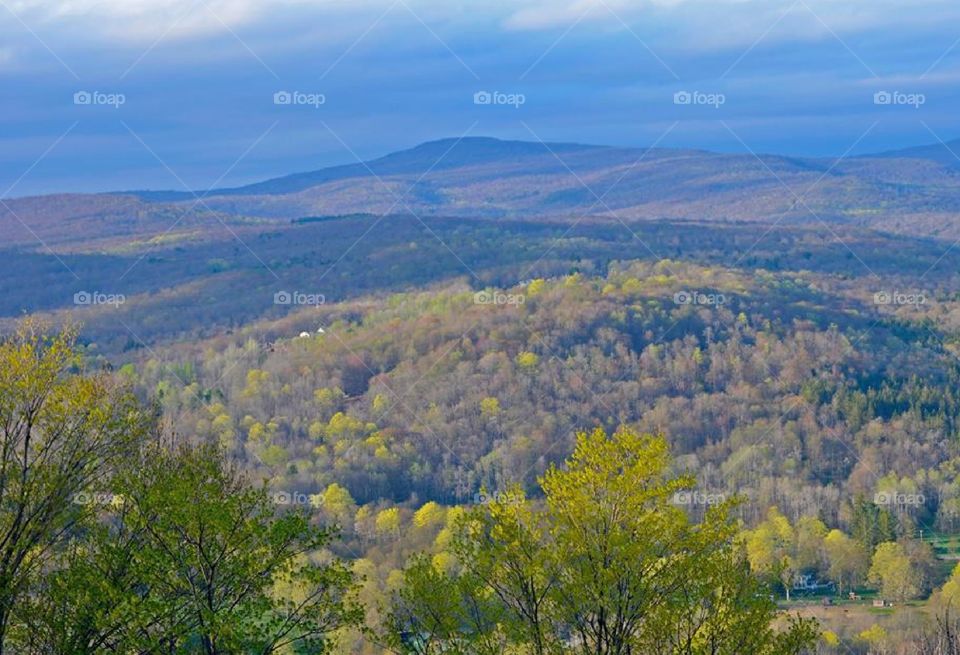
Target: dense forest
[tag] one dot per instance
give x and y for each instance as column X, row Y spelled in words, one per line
column 775, row 386
column 114, row 538
column 816, row 410
column 121, row 535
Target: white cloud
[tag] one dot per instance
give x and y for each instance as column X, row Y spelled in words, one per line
column 550, row 15
column 136, row 20
column 707, row 24
column 681, row 25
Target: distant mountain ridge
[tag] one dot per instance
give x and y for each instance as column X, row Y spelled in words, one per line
column 441, row 154
column 947, row 153
column 915, row 191
column 454, row 152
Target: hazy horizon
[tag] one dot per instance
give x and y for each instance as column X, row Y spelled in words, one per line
column 254, row 179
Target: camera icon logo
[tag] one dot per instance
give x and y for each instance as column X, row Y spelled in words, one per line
column 82, row 298
column 282, row 98
column 82, row 98
column 882, row 98
column 282, row 298
column 482, row 98
column 682, row 498
column 882, row 298
column 682, row 98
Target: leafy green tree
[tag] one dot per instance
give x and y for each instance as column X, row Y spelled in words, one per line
column 191, row 558
column 809, row 550
column 226, row 573
column 429, row 515
column 612, row 525
column 770, row 548
column 605, row 564
column 84, row 605
column 724, row 609
column 437, row 613
column 337, row 502
column 950, row 593
column 893, row 573
column 872, row 524
column 504, row 546
column 61, row 433
column 388, row 521
column 847, row 560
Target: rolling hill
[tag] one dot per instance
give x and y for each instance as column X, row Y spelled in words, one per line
column 914, row 192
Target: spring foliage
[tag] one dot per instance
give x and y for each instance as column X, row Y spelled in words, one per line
column 606, row 563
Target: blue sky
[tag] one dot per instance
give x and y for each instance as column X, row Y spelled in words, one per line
column 181, row 92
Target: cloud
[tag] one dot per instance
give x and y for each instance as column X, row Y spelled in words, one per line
column 560, row 14
column 682, row 25
column 138, row 20
column 716, row 24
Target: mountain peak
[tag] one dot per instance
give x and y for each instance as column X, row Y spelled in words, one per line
column 439, row 154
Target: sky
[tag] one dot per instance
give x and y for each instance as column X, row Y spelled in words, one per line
column 101, row 95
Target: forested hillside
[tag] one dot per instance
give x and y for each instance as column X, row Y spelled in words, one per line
column 118, row 538
column 807, row 392
column 799, row 393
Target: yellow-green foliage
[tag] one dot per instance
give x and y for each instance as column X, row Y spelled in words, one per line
column 429, row 515
column 489, row 407
column 527, row 360
column 536, row 287
column 388, row 521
